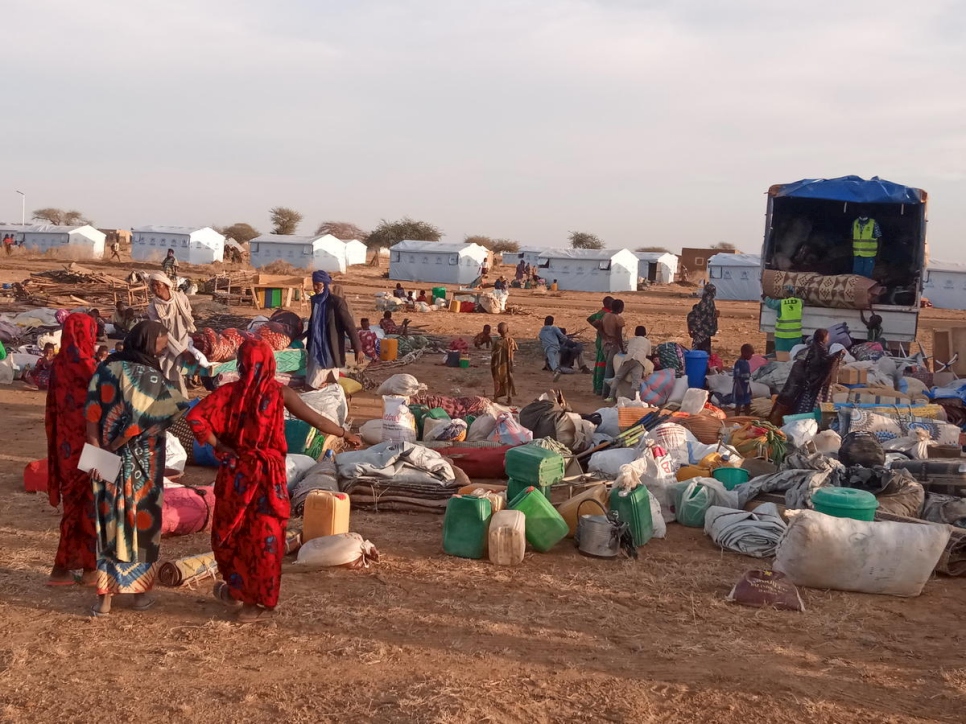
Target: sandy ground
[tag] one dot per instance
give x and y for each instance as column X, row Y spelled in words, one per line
column 425, row 637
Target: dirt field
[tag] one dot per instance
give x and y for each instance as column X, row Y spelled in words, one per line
column 430, row 638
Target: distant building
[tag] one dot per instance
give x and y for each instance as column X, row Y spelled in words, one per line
column 436, row 262
column 83, row 241
column 317, row 252
column 944, row 284
column 589, row 270
column 736, row 276
column 696, row 262
column 659, row 267
column 191, row 244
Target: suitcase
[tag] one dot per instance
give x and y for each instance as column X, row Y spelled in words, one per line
column 937, row 475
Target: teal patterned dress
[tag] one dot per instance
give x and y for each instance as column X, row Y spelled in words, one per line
column 130, row 401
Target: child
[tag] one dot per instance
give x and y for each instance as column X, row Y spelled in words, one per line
column 501, row 365
column 422, row 297
column 101, row 353
column 742, row 387
column 38, row 377
column 369, row 340
column 119, row 347
column 484, row 339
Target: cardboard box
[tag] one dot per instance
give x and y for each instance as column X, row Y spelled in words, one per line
column 849, row 376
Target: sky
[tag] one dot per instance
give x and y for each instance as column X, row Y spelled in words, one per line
column 646, row 123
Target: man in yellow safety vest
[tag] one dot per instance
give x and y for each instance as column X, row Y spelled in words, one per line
column 788, row 324
column 865, row 245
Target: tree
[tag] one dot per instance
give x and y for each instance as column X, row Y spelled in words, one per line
column 239, row 231
column 497, row 246
column 392, row 232
column 724, row 246
column 583, row 240
column 285, row 220
column 60, row 217
column 342, row 230
column 655, row 249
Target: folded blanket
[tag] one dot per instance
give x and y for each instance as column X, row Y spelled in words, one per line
column 753, row 533
column 843, row 291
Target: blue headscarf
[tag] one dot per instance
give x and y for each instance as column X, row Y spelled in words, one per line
column 318, row 332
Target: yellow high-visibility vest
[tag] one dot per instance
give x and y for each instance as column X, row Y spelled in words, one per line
column 789, row 322
column 864, row 244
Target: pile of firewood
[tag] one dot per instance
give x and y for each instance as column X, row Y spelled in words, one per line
column 76, row 285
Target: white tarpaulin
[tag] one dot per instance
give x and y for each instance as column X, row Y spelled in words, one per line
column 736, row 276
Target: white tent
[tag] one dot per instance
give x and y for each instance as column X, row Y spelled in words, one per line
column 436, row 262
column 355, row 252
column 191, row 244
column 84, row 240
column 657, row 266
column 589, row 270
column 944, row 284
column 529, row 254
column 316, row 252
column 736, row 276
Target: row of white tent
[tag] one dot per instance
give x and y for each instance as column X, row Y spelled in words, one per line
column 572, row 268
column 191, row 244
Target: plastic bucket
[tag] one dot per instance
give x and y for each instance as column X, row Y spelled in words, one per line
column 696, row 368
column 464, row 363
column 731, row 478
column 845, row 503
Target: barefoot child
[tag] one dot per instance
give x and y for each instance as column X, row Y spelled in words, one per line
column 484, row 338
column 501, row 364
column 742, row 376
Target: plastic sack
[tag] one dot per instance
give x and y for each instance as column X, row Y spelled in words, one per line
column 508, row 431
column 432, row 426
column 642, row 472
column 862, row 449
column 346, row 550
column 175, row 457
column 693, row 498
column 678, row 391
column 674, row 439
column 658, row 387
column 628, row 402
column 371, row 432
column 398, row 423
column 482, row 428
column 827, row 441
column 609, row 462
column 694, row 401
column 916, row 445
column 187, row 510
column 329, row 401
column 449, row 431
column 896, row 559
column 403, row 385
column 6, row 371
column 800, row 432
column 608, row 421
column 296, row 466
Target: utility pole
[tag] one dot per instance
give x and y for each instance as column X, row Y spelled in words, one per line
column 23, row 208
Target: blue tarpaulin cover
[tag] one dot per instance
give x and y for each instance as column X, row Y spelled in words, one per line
column 850, row 188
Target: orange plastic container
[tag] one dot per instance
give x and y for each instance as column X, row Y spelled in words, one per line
column 454, row 306
column 568, row 508
column 325, row 513
column 388, row 349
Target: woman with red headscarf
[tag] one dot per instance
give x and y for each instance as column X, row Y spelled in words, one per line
column 244, row 421
column 70, row 374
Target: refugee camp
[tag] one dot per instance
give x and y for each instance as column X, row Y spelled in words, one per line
column 427, row 363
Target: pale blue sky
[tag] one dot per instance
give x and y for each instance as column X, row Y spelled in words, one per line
column 647, row 123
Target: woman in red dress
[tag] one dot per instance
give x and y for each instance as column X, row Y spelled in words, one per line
column 244, row 422
column 70, row 373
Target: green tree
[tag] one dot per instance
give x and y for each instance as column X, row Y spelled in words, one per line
column 584, row 240
column 285, row 220
column 342, row 230
column 656, row 249
column 60, row 217
column 392, row 232
column 239, row 231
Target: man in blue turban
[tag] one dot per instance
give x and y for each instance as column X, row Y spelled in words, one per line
column 329, row 324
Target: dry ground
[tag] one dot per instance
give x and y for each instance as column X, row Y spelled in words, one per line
column 426, row 637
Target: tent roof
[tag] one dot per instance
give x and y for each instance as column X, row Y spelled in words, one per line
column 581, row 253
column 53, row 228
column 435, row 247
column 946, row 266
column 748, row 260
column 290, row 238
column 652, row 255
column 162, row 229
column 850, row 188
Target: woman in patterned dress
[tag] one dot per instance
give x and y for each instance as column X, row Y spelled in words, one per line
column 600, row 362
column 129, row 406
column 244, row 422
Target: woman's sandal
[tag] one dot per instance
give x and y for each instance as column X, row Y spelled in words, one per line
column 97, row 613
column 264, row 615
column 220, row 592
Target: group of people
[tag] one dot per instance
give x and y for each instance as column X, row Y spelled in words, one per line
column 110, row 529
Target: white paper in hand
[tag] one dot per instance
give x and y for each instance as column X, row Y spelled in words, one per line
column 107, row 464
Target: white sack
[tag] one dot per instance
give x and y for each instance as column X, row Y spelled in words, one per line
column 371, row 432
column 344, row 549
column 398, row 423
column 609, row 462
column 175, row 456
column 404, row 385
column 296, row 466
column 820, row 551
column 329, row 401
column 800, row 432
column 608, row 422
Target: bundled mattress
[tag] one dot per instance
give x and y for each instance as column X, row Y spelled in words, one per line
column 842, row 291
